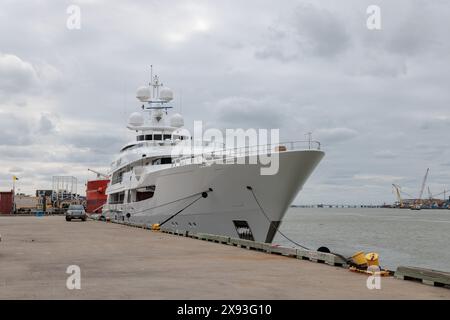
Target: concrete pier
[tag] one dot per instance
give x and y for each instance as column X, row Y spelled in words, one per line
column 119, row 262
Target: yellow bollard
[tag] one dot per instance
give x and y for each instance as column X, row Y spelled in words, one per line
column 156, row 227
column 372, row 259
column 359, row 258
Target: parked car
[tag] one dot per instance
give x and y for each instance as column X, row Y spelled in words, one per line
column 76, row 212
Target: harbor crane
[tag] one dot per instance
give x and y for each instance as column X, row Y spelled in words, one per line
column 418, row 203
column 397, row 192
column 99, row 174
column 442, row 193
column 430, row 196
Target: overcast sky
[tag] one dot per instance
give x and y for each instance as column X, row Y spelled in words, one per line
column 378, row 100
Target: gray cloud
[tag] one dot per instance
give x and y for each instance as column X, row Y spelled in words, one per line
column 378, row 100
column 16, row 76
column 95, row 142
column 16, row 170
column 385, row 154
column 46, row 124
column 14, row 130
column 336, row 135
column 307, row 31
column 240, row 112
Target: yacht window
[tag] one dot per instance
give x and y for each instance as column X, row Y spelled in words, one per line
column 140, row 138
column 148, row 137
column 158, row 136
column 117, row 177
column 148, row 193
column 117, row 198
column 167, row 160
column 167, row 136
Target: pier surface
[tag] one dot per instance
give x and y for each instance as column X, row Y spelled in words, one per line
column 120, row 262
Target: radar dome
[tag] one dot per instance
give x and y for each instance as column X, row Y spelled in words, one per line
column 136, row 119
column 143, row 94
column 166, row 94
column 177, row 120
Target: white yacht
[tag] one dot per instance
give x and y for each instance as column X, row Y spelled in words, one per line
column 209, row 189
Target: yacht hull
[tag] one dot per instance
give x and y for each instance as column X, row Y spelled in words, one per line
column 243, row 203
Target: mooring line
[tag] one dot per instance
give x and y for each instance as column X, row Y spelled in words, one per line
column 270, row 222
column 165, row 204
column 348, row 260
column 203, row 195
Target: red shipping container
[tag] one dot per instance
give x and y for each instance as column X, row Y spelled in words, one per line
column 95, row 195
column 6, row 202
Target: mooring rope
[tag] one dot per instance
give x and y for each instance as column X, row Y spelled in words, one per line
column 348, row 260
column 203, row 195
column 165, row 204
column 270, row 222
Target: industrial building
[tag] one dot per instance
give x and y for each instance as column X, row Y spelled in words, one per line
column 44, row 200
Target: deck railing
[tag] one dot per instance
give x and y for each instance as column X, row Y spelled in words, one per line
column 228, row 155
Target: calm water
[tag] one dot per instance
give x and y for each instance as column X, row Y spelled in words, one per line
column 401, row 237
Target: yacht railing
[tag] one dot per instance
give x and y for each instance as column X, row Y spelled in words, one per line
column 228, row 155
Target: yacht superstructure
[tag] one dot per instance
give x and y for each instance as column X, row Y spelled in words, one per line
column 165, row 177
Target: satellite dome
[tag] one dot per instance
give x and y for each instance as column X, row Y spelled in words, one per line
column 136, row 119
column 177, row 120
column 143, row 94
column 166, row 94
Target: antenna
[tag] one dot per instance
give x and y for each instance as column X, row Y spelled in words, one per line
column 124, row 99
column 151, row 80
column 151, row 75
column 181, row 101
column 153, row 97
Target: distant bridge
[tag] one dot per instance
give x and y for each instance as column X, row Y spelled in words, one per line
column 340, row 206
